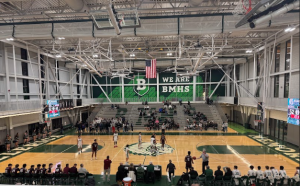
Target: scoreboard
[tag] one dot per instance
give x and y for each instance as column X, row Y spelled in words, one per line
column 293, row 111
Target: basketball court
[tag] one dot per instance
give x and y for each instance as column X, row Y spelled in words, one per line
column 193, row 67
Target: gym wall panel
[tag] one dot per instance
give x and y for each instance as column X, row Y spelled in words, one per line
column 34, row 86
column 281, row 85
column 198, row 25
column 25, row 119
column 2, row 87
column 293, row 134
column 251, row 67
column 282, row 57
column 64, row 76
column 33, row 70
column 13, row 86
column 280, row 115
column 295, row 53
column 3, row 134
column 294, row 85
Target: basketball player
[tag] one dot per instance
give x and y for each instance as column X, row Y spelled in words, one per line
column 153, row 139
column 115, row 139
column 188, row 161
column 127, row 153
column 140, row 140
column 79, row 144
column 94, row 149
column 163, row 140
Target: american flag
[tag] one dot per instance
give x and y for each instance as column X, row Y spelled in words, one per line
column 151, row 68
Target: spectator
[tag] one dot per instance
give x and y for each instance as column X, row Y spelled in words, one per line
column 131, row 173
column 228, row 172
column 171, row 170
column 208, row 171
column 225, row 126
column 82, row 170
column 193, row 174
column 66, row 169
column 150, row 170
column 218, row 172
column 107, row 163
column 73, row 169
column 120, row 174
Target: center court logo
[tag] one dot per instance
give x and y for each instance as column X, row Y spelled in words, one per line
column 147, row 150
column 141, row 88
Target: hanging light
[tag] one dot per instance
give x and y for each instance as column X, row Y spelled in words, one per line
column 10, row 39
column 169, row 54
column 61, row 38
column 132, row 55
column 248, row 51
column 58, row 56
column 95, row 55
column 290, row 29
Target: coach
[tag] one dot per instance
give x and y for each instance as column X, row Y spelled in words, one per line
column 204, row 157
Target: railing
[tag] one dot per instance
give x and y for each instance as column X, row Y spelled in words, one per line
column 15, row 106
column 277, row 103
column 141, row 99
column 229, row 100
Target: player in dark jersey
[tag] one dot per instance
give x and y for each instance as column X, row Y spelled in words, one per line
column 43, row 169
column 38, row 170
column 94, row 149
column 8, row 170
column 58, row 169
column 15, row 170
column 163, row 140
column 23, row 170
column 188, row 161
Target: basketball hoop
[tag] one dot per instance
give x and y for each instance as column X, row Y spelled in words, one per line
column 256, row 122
column 242, row 8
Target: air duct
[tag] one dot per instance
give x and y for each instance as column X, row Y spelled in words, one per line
column 113, row 19
column 77, row 5
column 272, row 15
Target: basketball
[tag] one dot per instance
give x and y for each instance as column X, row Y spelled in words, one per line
column 194, row 158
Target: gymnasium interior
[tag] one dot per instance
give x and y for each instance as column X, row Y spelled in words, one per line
column 216, row 79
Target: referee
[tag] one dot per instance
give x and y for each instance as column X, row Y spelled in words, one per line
column 205, row 161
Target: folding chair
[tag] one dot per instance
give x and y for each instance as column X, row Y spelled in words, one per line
column 218, row 181
column 209, row 180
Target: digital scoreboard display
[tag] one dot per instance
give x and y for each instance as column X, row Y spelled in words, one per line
column 293, row 111
column 53, row 106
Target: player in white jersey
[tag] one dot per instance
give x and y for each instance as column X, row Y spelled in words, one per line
column 140, row 140
column 153, row 141
column 236, row 174
column 79, row 144
column 268, row 172
column 251, row 172
column 282, row 172
column 259, row 173
column 115, row 139
column 275, row 172
column 127, row 153
column 297, row 173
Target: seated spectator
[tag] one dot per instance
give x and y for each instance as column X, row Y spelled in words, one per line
column 66, row 169
column 218, row 172
column 150, row 172
column 193, row 174
column 82, row 170
column 131, row 172
column 73, row 170
column 8, row 169
column 120, row 174
column 208, row 171
column 228, row 171
column 58, row 169
column 170, row 106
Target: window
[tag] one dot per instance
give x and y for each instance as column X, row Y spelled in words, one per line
column 258, row 89
column 24, row 54
column 56, row 123
column 24, row 69
column 237, row 72
column 277, row 58
column 276, row 86
column 287, row 55
column 286, row 85
column 26, row 88
column 258, row 65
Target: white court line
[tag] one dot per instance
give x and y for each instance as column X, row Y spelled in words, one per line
column 176, row 154
column 118, row 152
column 60, row 152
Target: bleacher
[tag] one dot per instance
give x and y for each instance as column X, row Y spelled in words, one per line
column 131, row 113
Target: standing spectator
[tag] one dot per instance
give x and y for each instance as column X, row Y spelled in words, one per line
column 205, row 160
column 131, row 125
column 225, row 127
column 171, row 170
column 107, row 163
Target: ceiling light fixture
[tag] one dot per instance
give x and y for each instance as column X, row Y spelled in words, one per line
column 132, row 55
column 95, row 55
column 61, row 38
column 248, row 51
column 289, row 29
column 169, row 54
column 58, row 56
column 10, row 39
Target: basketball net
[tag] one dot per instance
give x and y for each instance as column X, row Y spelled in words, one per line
column 242, row 8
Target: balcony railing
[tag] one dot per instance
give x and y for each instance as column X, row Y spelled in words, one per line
column 228, row 100
column 19, row 106
column 249, row 101
column 277, row 103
